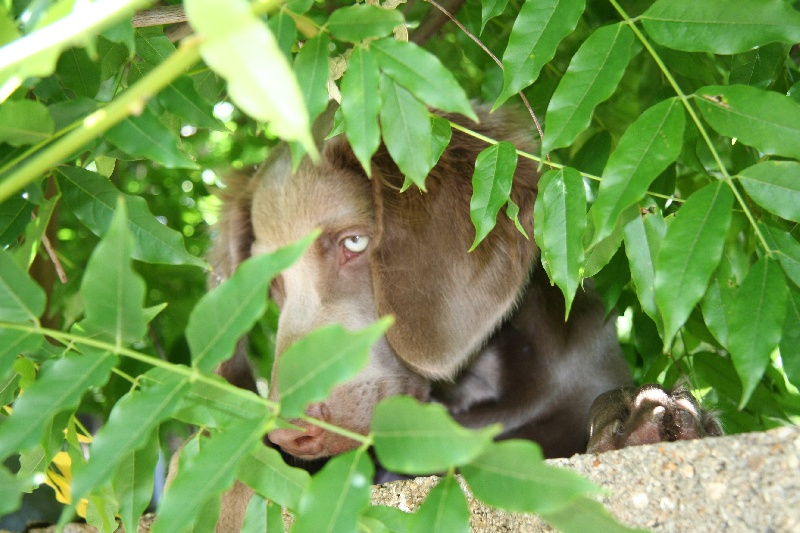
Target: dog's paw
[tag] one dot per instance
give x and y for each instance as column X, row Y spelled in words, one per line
column 646, row 415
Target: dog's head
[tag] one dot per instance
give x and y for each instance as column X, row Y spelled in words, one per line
column 379, row 252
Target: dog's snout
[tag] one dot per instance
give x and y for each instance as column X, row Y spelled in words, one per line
column 309, row 441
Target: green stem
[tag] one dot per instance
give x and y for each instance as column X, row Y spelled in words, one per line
column 129, row 102
column 703, row 133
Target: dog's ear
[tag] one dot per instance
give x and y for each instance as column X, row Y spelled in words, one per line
column 446, row 300
column 235, row 236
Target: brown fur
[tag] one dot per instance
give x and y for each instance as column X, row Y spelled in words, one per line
column 481, row 332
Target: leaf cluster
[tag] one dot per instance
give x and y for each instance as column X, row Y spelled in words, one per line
column 670, row 176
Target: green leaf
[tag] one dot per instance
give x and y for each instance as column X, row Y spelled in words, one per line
column 721, row 26
column 444, row 510
column 240, row 48
column 93, row 199
column 24, row 122
column 113, row 293
column 718, row 301
column 25, row 254
column 406, row 132
column 359, row 22
column 395, row 520
column 775, row 186
column 133, row 482
column 597, row 256
column 337, row 495
column 235, row 305
column 645, row 150
column 214, row 405
column 10, row 492
column 559, row 220
column 690, row 253
column 511, row 474
column 591, row 78
column 422, row 74
column 766, row 120
column 757, row 318
column 80, row 74
column 643, row 237
column 787, row 248
column 146, row 137
column 312, row 366
column 491, row 9
column 491, row 187
column 361, row 103
column 414, row 438
column 790, row 338
column 265, row 472
column 15, row 214
column 181, row 98
column 58, row 388
column 129, row 427
column 263, row 516
column 534, row 39
column 21, row 299
column 284, row 29
column 203, row 476
column 311, row 68
column 585, row 514
column 758, row 67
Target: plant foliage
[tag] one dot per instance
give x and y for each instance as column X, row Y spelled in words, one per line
column 671, row 174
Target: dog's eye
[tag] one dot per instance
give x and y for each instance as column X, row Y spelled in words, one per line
column 356, row 244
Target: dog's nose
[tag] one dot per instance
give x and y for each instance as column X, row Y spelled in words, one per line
column 305, row 443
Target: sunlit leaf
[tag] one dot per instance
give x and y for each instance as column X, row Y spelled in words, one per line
column 511, row 474
column 559, row 220
column 445, row 509
column 721, row 26
column 491, row 187
column 239, row 47
column 112, row 291
column 414, row 438
column 717, row 302
column 14, row 342
column 358, row 22
column 312, row 366
column 406, row 131
column 361, row 103
column 263, row 516
column 336, row 495
column 537, row 30
column 24, row 122
column 775, row 186
column 10, row 492
column 790, row 338
column 203, row 476
column 591, row 78
column 93, row 199
column 766, row 120
column 265, row 472
column 235, row 305
column 690, row 253
column 646, row 148
column 757, row 318
column 58, row 388
column 422, row 74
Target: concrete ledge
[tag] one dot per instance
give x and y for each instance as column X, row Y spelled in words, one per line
column 747, row 483
column 742, row 483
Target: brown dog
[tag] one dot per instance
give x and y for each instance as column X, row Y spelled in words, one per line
column 481, row 332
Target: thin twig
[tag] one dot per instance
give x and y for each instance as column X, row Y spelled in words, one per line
column 62, row 275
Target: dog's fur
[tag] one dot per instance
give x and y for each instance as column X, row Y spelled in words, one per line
column 481, row 332
column 484, row 329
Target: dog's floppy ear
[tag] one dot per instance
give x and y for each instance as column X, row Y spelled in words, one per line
column 447, row 301
column 234, row 229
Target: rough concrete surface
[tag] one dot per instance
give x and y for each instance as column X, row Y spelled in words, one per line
column 742, row 483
